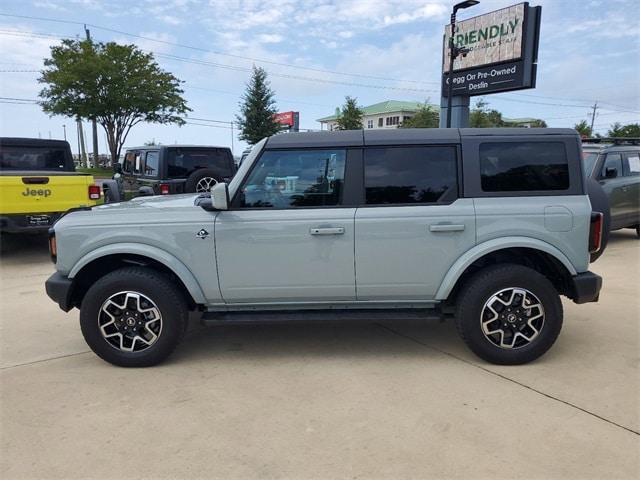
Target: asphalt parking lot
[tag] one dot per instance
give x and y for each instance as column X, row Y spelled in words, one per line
column 363, row 400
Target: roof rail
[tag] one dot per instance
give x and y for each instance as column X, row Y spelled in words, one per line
column 614, row 140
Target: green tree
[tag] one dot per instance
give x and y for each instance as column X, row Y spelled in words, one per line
column 257, row 109
column 425, row 117
column 584, row 129
column 350, row 117
column 117, row 85
column 483, row 117
column 618, row 130
column 539, row 124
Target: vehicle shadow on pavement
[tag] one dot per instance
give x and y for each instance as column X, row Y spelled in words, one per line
column 356, row 339
column 17, row 248
column 618, row 237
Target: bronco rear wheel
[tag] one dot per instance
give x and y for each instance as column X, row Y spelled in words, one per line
column 509, row 314
column 133, row 317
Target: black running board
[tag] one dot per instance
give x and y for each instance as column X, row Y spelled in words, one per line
column 210, row 319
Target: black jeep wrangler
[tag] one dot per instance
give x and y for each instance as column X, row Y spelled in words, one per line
column 171, row 169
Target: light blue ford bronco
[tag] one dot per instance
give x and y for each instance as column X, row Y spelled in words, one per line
column 489, row 226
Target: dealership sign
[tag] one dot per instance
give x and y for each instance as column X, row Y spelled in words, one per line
column 501, row 52
column 288, row 120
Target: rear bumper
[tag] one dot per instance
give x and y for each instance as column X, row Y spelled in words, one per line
column 19, row 222
column 585, row 287
column 58, row 287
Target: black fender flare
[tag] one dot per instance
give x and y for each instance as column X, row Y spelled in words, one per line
column 111, row 191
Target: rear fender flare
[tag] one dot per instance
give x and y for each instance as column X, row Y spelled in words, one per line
column 460, row 266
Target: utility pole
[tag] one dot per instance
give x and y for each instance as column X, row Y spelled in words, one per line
column 94, row 124
column 81, row 149
column 593, row 116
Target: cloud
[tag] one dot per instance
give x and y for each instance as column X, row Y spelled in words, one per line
column 50, row 5
column 426, row 12
column 273, row 38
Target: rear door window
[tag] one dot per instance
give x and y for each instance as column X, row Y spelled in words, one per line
column 151, row 162
column 409, row 175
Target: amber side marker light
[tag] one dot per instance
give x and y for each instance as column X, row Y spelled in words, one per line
column 53, row 248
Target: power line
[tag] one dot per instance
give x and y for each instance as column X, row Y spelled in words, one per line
column 17, row 100
column 289, row 76
column 282, row 64
column 241, row 57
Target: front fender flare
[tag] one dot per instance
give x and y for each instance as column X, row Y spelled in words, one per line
column 485, row 248
column 149, row 251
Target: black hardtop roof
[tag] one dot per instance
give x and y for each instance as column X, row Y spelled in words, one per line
column 400, row 136
column 612, row 140
column 40, row 142
column 158, row 147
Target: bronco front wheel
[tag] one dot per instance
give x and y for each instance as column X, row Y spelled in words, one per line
column 509, row 314
column 133, row 317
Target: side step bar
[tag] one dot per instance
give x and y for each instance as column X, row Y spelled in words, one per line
column 210, row 319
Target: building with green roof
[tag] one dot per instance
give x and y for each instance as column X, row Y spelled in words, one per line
column 387, row 114
column 392, row 113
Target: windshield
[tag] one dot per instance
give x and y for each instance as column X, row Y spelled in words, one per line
column 589, row 161
column 244, row 166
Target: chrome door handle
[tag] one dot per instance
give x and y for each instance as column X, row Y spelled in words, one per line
column 327, row 231
column 446, row 228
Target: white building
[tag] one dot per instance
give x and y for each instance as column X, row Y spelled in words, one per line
column 387, row 114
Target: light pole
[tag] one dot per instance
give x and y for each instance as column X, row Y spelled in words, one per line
column 454, row 52
column 64, row 127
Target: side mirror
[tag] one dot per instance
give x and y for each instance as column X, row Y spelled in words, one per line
column 220, row 196
column 611, row 172
column 117, row 167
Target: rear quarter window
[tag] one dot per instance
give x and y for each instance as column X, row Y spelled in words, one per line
column 523, row 167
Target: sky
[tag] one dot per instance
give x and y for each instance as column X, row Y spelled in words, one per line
column 316, row 53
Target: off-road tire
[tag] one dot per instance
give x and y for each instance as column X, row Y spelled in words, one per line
column 201, row 181
column 133, row 317
column 509, row 314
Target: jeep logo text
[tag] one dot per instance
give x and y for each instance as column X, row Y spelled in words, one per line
column 36, row 193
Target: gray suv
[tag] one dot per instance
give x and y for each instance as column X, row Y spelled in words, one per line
column 487, row 226
column 616, row 166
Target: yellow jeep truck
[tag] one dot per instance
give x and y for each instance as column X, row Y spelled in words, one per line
column 39, row 183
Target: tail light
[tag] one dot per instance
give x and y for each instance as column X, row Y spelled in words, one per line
column 164, row 189
column 595, row 232
column 94, row 192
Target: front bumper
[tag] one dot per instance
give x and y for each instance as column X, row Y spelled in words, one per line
column 585, row 287
column 59, row 288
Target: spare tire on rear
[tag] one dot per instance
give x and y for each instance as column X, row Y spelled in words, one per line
column 600, row 203
column 201, row 180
